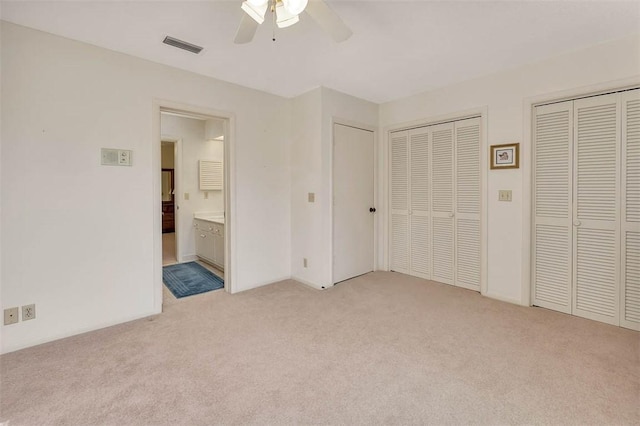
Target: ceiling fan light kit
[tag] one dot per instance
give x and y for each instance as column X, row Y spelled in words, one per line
column 295, row 7
column 256, row 11
column 284, row 18
column 286, row 13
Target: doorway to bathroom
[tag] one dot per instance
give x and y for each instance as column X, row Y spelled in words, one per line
column 194, row 195
column 170, row 158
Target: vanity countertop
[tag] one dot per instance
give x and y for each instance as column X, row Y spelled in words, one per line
column 210, row 218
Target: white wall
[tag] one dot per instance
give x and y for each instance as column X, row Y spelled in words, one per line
column 77, row 237
column 312, row 138
column 306, row 176
column 194, row 147
column 505, row 95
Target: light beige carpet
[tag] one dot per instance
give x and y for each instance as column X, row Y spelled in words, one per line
column 382, row 348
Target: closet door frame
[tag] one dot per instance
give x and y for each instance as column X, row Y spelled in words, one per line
column 481, row 113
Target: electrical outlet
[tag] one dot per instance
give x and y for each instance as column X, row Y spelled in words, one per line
column 504, row 195
column 28, row 312
column 10, row 316
column 304, row 262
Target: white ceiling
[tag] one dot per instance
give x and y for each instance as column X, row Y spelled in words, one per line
column 399, row 48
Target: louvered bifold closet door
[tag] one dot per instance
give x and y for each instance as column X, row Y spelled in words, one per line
column 596, row 248
column 442, row 203
column 399, row 202
column 419, row 234
column 467, row 212
column 552, row 230
column 630, row 274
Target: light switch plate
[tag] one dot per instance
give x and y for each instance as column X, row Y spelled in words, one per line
column 504, row 195
column 116, row 157
column 186, row 196
column 312, row 197
column 124, row 157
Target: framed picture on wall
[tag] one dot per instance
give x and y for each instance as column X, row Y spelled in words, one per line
column 505, row 156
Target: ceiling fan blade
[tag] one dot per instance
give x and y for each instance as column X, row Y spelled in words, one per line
column 246, row 30
column 328, row 20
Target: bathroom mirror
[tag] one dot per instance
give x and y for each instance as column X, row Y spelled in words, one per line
column 167, row 185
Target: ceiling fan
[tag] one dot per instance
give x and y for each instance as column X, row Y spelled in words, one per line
column 286, row 13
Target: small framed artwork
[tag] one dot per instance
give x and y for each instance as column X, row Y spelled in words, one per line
column 505, row 156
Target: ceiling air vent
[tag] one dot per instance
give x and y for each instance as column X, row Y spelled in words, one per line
column 182, row 45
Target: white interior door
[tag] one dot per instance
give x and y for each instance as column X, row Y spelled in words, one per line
column 419, row 211
column 399, row 202
column 596, row 243
column 630, row 315
column 353, row 188
column 442, row 207
column 553, row 228
column 467, row 211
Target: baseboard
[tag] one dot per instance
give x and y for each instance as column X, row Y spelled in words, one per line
column 307, row 283
column 189, row 258
column 60, row 336
column 260, row 284
column 504, row 299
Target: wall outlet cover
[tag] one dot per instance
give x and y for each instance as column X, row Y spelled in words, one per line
column 11, row 316
column 504, row 195
column 28, row 312
column 312, row 197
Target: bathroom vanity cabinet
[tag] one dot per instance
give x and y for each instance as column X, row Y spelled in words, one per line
column 209, row 235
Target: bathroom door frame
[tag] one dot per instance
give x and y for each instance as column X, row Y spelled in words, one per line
column 230, row 270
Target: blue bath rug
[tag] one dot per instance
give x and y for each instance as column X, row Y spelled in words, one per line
column 187, row 279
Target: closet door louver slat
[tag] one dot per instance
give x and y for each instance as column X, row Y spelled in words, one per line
column 630, row 222
column 442, row 174
column 596, row 251
column 467, row 197
column 552, row 236
column 399, row 203
column 419, row 212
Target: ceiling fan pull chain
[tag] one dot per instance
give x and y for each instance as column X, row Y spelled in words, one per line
column 273, row 20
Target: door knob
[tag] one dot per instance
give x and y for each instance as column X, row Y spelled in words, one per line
column 452, row 214
column 372, row 209
column 577, row 223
